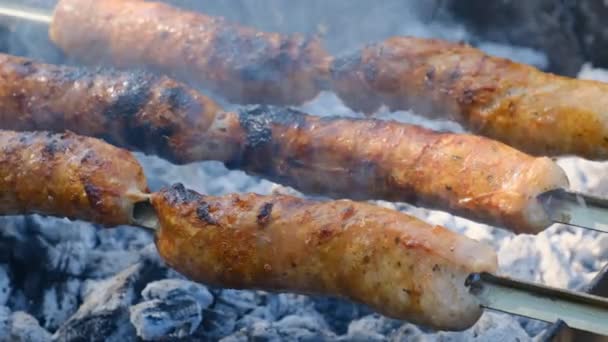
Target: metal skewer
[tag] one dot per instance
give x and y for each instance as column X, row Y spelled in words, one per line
column 578, row 310
column 14, row 11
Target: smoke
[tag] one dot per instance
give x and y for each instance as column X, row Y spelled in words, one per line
column 344, row 25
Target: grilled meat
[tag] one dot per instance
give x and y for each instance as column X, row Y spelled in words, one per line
column 362, row 159
column 242, row 64
column 131, row 109
column 398, row 265
column 536, row 112
column 70, row 176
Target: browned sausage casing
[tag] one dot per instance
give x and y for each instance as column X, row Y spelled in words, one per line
column 68, row 176
column 131, row 109
column 467, row 175
column 471, row 176
column 242, row 64
column 537, row 112
column 398, row 265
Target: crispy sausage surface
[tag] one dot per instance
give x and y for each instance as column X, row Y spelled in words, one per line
column 467, row 175
column 536, row 112
column 242, row 64
column 69, row 176
column 131, row 109
column 361, row 159
column 398, row 265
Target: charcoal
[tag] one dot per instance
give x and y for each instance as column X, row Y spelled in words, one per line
column 338, row 312
column 60, row 301
column 57, row 230
column 168, row 289
column 371, row 328
column 68, row 258
column 293, row 328
column 24, row 327
column 102, row 264
column 157, row 319
column 239, row 301
column 5, row 284
column 220, row 321
column 104, row 313
column 5, row 324
column 172, row 307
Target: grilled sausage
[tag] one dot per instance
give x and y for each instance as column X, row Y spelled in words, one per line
column 68, row 175
column 467, row 175
column 132, row 109
column 242, row 64
column 396, row 264
column 361, row 159
column 536, row 112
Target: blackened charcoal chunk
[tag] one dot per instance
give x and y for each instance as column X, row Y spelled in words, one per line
column 5, row 284
column 67, row 258
column 104, row 314
column 157, row 319
column 169, row 289
column 102, row 263
column 24, row 327
column 5, row 323
column 219, row 321
column 371, row 328
column 338, row 312
column 59, row 302
column 303, row 328
column 240, row 301
column 56, row 230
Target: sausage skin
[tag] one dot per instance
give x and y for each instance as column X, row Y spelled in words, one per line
column 467, row 175
column 396, row 264
column 70, row 176
column 240, row 63
column 536, row 112
column 475, row 177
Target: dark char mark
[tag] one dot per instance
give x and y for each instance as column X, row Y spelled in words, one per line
column 140, row 133
column 134, row 96
column 264, row 215
column 203, row 213
column 178, row 194
column 179, row 99
column 257, row 121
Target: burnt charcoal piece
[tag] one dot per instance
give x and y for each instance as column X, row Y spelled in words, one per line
column 173, row 308
column 59, row 301
column 104, row 314
column 169, row 289
column 176, row 318
column 293, row 328
column 24, row 327
column 371, row 328
column 338, row 312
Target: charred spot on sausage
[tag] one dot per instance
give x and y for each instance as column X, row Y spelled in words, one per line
column 204, row 214
column 178, row 98
column 178, row 194
column 264, row 214
column 133, row 96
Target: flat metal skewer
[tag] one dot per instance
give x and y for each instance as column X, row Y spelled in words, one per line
column 14, row 11
column 578, row 310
